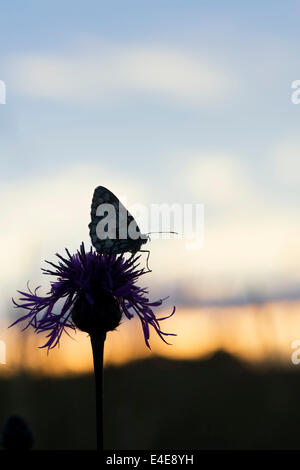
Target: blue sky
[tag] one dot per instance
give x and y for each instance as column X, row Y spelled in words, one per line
column 162, row 102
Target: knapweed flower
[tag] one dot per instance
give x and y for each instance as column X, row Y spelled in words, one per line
column 91, row 292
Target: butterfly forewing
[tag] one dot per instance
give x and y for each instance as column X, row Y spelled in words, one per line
column 112, row 226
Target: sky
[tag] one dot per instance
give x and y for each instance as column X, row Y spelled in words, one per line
column 259, row 335
column 161, row 102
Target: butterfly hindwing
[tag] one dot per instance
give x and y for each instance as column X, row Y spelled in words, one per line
column 119, row 218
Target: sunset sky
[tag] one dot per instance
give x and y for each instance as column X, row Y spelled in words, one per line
column 161, row 102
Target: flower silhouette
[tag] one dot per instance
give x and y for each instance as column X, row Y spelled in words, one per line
column 91, row 292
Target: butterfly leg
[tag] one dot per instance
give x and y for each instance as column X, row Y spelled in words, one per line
column 147, row 260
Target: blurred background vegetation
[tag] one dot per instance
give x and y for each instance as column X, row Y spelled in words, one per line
column 215, row 403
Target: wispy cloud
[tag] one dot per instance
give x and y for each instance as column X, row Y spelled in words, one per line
column 182, row 77
column 246, row 244
column 219, row 179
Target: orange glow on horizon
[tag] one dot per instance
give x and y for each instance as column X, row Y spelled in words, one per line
column 255, row 333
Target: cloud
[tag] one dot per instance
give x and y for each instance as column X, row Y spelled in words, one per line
column 250, row 240
column 178, row 76
column 285, row 161
column 219, row 180
column 254, row 245
column 241, row 252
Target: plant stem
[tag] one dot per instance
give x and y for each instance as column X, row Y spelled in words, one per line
column 97, row 341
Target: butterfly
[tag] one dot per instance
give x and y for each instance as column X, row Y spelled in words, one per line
column 112, row 227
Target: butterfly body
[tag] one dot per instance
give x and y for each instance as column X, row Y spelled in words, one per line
column 112, row 227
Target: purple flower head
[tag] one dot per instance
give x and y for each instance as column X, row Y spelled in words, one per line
column 94, row 289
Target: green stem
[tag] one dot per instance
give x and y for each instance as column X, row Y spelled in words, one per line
column 97, row 341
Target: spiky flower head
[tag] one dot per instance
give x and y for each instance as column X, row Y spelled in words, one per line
column 92, row 291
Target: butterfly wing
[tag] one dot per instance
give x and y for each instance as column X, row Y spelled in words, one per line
column 116, row 217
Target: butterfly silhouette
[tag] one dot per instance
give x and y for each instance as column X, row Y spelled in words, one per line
column 112, row 227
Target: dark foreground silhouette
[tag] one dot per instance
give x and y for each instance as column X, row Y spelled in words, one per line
column 218, row 403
